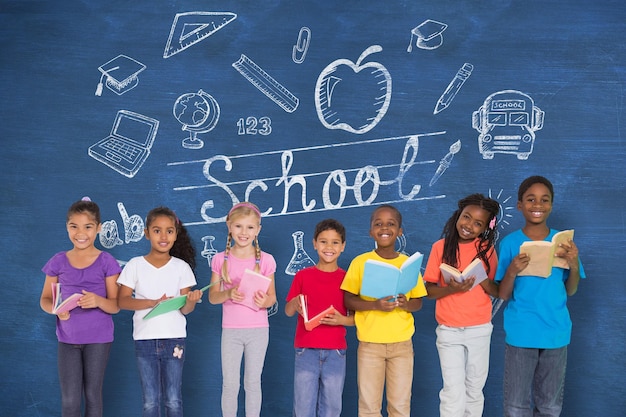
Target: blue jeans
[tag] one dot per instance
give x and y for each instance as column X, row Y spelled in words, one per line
column 160, row 369
column 81, row 369
column 536, row 372
column 318, row 380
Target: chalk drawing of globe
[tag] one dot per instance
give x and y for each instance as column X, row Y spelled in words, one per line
column 197, row 113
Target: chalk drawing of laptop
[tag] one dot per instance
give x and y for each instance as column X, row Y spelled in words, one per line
column 128, row 146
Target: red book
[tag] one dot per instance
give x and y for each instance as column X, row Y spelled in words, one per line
column 313, row 322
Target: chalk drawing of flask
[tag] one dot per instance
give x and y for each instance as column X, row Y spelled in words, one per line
column 300, row 258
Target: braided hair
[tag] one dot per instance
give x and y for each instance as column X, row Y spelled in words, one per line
column 241, row 210
column 486, row 239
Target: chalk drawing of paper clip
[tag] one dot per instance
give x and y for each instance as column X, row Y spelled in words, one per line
column 302, row 45
column 266, row 84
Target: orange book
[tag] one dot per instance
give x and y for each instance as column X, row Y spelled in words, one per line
column 313, row 322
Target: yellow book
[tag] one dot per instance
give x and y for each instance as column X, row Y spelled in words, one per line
column 542, row 254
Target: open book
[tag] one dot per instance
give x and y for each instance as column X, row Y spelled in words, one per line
column 476, row 269
column 381, row 279
column 251, row 283
column 171, row 304
column 313, row 322
column 61, row 306
column 542, row 252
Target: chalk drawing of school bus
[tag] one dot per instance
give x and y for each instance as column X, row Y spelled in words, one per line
column 507, row 122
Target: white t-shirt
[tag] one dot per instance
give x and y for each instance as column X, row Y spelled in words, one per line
column 150, row 282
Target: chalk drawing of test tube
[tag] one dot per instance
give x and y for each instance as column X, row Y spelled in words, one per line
column 266, row 84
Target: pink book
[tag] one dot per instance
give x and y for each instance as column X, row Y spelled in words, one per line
column 251, row 283
column 61, row 306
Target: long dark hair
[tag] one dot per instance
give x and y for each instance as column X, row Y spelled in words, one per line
column 183, row 247
column 487, row 238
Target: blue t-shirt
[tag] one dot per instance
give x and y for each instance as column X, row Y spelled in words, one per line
column 536, row 315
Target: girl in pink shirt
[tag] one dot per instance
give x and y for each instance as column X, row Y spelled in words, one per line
column 245, row 328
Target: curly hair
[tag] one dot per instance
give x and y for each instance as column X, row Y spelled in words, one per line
column 183, row 247
column 487, row 238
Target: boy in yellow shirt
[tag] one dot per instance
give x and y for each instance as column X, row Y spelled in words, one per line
column 384, row 326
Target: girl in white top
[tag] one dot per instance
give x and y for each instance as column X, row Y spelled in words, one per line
column 245, row 330
column 165, row 272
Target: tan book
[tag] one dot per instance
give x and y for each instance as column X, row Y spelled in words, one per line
column 542, row 254
column 475, row 269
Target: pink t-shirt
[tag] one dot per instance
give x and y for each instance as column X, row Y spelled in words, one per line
column 234, row 315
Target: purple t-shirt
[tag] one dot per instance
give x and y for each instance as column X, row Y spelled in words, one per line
column 90, row 325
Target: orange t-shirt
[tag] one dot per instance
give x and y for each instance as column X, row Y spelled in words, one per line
column 470, row 308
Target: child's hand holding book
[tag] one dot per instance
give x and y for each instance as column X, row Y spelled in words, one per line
column 386, row 304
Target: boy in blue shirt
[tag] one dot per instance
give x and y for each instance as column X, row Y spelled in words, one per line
column 536, row 319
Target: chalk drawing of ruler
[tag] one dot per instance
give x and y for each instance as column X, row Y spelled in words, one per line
column 266, row 84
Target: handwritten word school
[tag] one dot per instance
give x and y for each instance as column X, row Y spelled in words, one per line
column 338, row 188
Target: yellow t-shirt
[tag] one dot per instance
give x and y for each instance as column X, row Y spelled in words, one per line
column 380, row 326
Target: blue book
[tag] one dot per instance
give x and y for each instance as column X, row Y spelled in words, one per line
column 381, row 279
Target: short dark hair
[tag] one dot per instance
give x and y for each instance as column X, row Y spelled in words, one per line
column 85, row 206
column 530, row 181
column 330, row 224
column 390, row 207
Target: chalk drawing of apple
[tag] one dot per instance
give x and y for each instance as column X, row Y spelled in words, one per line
column 353, row 97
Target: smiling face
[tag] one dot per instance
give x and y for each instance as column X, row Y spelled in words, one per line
column 472, row 221
column 385, row 228
column 82, row 230
column 244, row 229
column 329, row 246
column 536, row 204
column 161, row 233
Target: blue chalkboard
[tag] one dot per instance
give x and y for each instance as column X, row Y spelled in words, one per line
column 310, row 109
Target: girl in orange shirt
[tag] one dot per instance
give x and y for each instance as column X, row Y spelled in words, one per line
column 463, row 309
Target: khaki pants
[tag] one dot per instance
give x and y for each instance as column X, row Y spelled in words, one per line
column 385, row 366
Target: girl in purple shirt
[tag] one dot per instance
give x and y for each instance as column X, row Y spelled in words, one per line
column 85, row 333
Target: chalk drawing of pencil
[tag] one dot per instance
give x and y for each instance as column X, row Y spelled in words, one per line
column 266, row 84
column 455, row 85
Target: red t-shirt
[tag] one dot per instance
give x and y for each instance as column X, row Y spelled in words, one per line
column 321, row 289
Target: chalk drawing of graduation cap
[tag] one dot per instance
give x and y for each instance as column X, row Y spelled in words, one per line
column 429, row 35
column 120, row 74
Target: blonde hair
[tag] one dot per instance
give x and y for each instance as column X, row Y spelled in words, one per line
column 241, row 210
